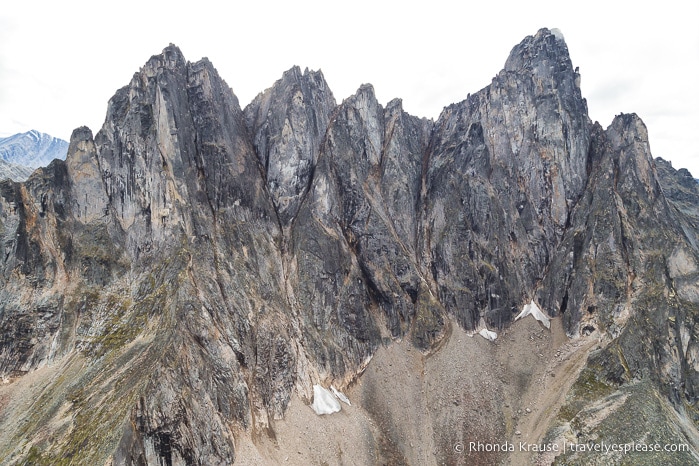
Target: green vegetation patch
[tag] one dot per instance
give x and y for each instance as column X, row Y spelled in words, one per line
column 588, row 388
column 644, row 420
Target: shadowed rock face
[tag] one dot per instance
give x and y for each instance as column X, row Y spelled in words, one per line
column 194, row 265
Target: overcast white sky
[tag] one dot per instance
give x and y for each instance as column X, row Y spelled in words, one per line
column 60, row 62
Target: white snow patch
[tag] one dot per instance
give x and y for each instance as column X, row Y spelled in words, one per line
column 534, row 310
column 558, row 34
column 684, row 338
column 488, row 335
column 341, row 396
column 324, row 402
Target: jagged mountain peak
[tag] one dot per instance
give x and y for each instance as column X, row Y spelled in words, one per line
column 288, row 123
column 544, row 44
column 34, row 134
column 171, row 57
column 396, row 104
column 295, row 73
column 545, row 56
column 364, row 92
column 32, row 149
column 81, row 133
column 630, row 122
column 196, row 270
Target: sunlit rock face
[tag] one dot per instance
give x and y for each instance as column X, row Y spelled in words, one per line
column 287, row 123
column 194, row 268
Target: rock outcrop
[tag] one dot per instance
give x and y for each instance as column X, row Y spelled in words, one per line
column 288, row 123
column 194, row 268
column 506, row 168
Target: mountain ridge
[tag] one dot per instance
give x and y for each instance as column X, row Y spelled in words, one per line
column 197, row 267
column 32, row 149
column 21, row 153
column 14, row 171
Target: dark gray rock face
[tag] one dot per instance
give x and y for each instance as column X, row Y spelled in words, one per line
column 193, row 266
column 351, row 259
column 629, row 265
column 506, row 167
column 288, row 123
column 182, row 179
column 682, row 191
column 33, row 267
column 600, row 257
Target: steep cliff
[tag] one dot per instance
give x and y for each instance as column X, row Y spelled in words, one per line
column 506, row 167
column 173, row 291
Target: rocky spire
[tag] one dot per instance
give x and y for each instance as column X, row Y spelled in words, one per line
column 288, row 123
column 506, row 167
column 193, row 266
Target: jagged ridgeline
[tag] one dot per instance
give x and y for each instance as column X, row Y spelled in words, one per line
column 194, row 269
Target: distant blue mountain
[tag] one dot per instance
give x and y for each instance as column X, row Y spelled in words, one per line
column 32, row 149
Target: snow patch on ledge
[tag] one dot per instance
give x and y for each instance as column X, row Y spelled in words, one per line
column 324, row 402
column 340, row 396
column 533, row 309
column 488, row 335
